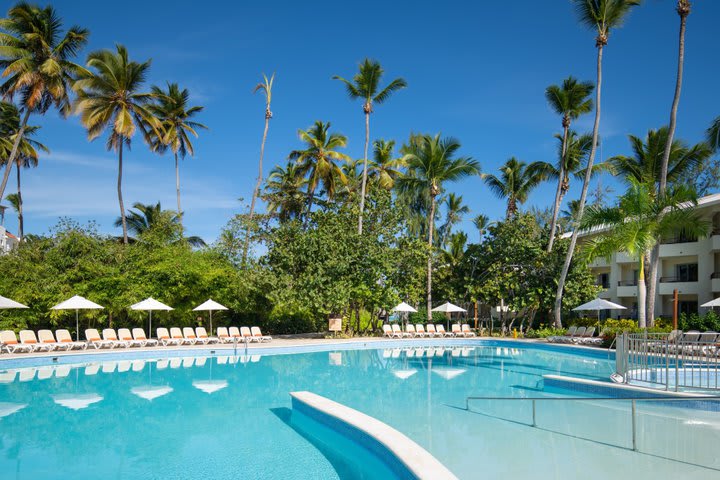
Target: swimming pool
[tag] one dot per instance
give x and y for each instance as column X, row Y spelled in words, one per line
column 222, row 416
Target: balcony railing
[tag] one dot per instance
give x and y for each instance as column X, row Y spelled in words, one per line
column 715, row 275
column 673, row 240
column 677, row 279
column 627, row 283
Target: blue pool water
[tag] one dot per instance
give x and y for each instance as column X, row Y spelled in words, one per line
column 225, row 417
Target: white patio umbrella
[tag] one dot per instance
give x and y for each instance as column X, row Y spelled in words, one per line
column 405, row 308
column 597, row 305
column 712, row 303
column 209, row 306
column 149, row 305
column 448, row 308
column 77, row 303
column 6, row 303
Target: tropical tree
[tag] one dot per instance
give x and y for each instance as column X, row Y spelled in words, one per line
column 569, row 100
column 639, row 221
column 266, row 88
column 35, row 58
column 454, row 211
column 109, row 99
column 171, row 108
column 517, row 179
column 365, row 85
column 432, row 162
column 285, row 192
column 601, row 16
column 383, row 168
column 319, row 160
column 481, row 222
column 145, row 218
column 712, row 135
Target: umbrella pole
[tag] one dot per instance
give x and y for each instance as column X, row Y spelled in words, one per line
column 150, row 327
column 211, row 323
column 77, row 325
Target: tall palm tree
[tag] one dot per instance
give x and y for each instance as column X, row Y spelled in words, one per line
column 365, row 85
column 384, row 168
column 601, row 16
column 26, row 157
column 35, row 58
column 481, row 222
column 683, row 10
column 146, row 217
column 517, row 179
column 638, row 223
column 109, row 98
column 432, row 162
column 319, row 160
column 285, row 192
column 266, row 88
column 454, row 211
column 171, row 108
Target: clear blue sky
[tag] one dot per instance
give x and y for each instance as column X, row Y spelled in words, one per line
column 476, row 71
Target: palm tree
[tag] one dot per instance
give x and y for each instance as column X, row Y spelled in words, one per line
column 639, row 222
column 456, row 249
column 570, row 100
column 110, row 99
column 432, row 162
column 148, row 217
column 35, row 58
column 517, row 179
column 171, row 108
column 712, row 135
column 27, row 156
column 384, row 168
column 454, row 211
column 601, row 16
column 266, row 88
column 319, row 160
column 683, row 10
column 481, row 222
column 285, row 192
column 365, row 85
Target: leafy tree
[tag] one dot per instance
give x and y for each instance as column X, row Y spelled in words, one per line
column 365, row 85
column 600, row 16
column 36, row 61
column 517, row 179
column 109, row 98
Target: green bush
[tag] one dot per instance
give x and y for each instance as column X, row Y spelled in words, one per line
column 544, row 332
column 284, row 321
column 708, row 322
column 421, row 317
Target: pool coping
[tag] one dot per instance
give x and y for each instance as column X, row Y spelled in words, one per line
column 418, row 463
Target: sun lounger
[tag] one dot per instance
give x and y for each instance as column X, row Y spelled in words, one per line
column 559, row 339
column 235, row 334
column 387, row 331
column 579, row 332
column 431, row 331
column 223, row 335
column 258, row 334
column 27, row 337
column 125, row 336
column 410, row 330
column 176, row 334
column 165, row 339
column 586, row 337
column 93, row 339
column 189, row 336
column 455, row 330
column 139, row 335
column 10, row 343
column 63, row 336
column 203, row 337
column 46, row 337
column 440, row 329
column 247, row 335
column 420, row 331
column 466, row 331
column 398, row 332
column 109, row 335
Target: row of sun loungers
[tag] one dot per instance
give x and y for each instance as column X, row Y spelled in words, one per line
column 419, row 331
column 578, row 335
column 46, row 341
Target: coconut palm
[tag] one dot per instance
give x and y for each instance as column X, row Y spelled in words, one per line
column 35, row 58
column 431, row 163
column 144, row 218
column 601, row 16
column 455, row 251
column 517, row 179
column 683, row 10
column 569, row 100
column 266, row 88
column 171, row 108
column 481, row 222
column 454, row 211
column 639, row 221
column 319, row 160
column 365, row 85
column 109, row 99
column 285, row 192
column 383, row 168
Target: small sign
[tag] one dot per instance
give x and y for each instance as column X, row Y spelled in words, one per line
column 335, row 325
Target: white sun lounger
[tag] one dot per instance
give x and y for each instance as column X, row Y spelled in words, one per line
column 431, row 331
column 109, row 335
column 63, row 336
column 440, row 329
column 420, row 330
column 258, row 334
column 466, row 331
column 189, row 336
column 398, row 332
column 223, row 335
column 9, row 342
column 165, row 339
column 27, row 337
column 93, row 338
column 125, row 336
column 176, row 334
column 410, row 330
column 247, row 335
column 46, row 337
column 569, row 333
column 235, row 334
column 139, row 335
column 387, row 331
column 203, row 337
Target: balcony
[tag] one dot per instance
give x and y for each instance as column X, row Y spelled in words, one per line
column 622, row 257
column 600, row 262
column 605, row 294
column 715, row 238
column 679, row 248
column 715, row 282
column 627, row 288
column 683, row 286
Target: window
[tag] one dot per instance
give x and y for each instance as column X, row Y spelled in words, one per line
column 603, row 280
column 686, row 272
column 687, row 307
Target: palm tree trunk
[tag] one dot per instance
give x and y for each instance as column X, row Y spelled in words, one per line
column 256, row 192
column 21, row 228
column 364, row 178
column 583, row 195
column 642, row 292
column 14, row 153
column 177, row 186
column 558, row 192
column 651, row 282
column 119, row 191
column 431, row 227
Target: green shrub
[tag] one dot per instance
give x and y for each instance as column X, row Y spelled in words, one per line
column 544, row 332
column 709, row 321
column 421, row 317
